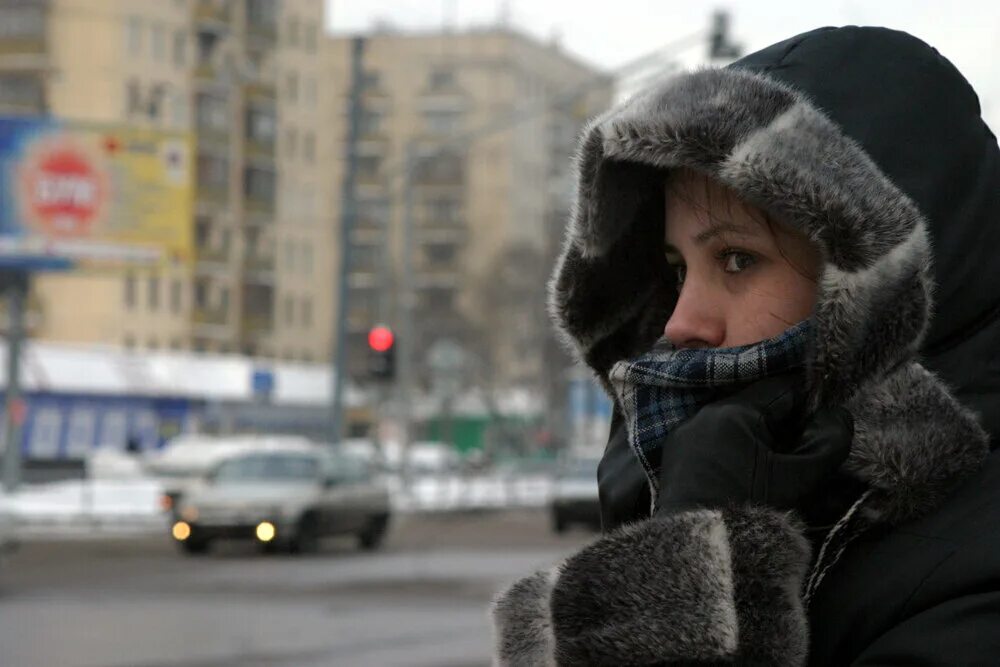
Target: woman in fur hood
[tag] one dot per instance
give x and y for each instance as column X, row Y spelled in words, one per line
column 800, row 468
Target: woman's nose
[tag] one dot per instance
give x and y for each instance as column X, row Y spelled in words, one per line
column 696, row 321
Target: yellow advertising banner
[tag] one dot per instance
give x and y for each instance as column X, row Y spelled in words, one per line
column 94, row 195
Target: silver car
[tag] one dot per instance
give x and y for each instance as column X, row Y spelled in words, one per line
column 283, row 499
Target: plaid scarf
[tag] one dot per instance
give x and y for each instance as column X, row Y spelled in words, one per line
column 665, row 386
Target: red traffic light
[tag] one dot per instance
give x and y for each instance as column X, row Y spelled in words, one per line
column 380, row 339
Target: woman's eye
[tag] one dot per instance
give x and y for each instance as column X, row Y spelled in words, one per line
column 736, row 261
column 681, row 272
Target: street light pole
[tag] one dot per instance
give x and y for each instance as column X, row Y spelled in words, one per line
column 15, row 284
column 347, row 217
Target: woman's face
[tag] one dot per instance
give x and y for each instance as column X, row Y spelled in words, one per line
column 741, row 279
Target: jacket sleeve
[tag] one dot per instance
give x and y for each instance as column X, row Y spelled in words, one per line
column 697, row 586
column 952, row 618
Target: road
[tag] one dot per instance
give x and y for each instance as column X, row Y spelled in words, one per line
column 421, row 600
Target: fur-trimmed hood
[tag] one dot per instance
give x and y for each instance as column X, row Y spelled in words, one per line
column 843, row 135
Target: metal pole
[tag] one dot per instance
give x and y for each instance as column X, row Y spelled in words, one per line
column 408, row 299
column 348, row 214
column 16, row 284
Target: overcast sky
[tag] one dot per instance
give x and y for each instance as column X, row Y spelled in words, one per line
column 610, row 33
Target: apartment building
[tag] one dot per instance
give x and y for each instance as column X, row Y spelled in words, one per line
column 238, row 75
column 488, row 206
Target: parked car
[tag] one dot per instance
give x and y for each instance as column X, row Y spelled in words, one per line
column 574, row 495
column 284, row 499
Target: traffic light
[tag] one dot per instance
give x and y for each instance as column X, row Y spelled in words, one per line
column 381, row 353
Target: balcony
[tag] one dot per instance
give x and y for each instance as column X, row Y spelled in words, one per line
column 257, row 320
column 261, row 152
column 212, row 13
column 210, row 316
column 23, row 38
column 259, row 268
column 262, row 20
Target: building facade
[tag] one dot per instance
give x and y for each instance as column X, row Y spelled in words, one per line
column 490, row 120
column 233, row 73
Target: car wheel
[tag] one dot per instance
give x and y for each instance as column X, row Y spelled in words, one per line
column 372, row 536
column 196, row 546
column 306, row 538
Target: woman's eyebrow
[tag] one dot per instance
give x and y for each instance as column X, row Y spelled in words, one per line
column 723, row 228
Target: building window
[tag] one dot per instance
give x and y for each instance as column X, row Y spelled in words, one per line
column 370, row 80
column 289, row 311
column 292, row 86
column 438, row 299
column 442, row 78
column 212, row 112
column 291, row 142
column 159, row 40
column 263, row 13
column 260, row 124
column 180, row 48
column 442, row 211
column 363, row 306
column 307, row 313
column 201, row 293
column 224, row 300
column 153, row 295
column 202, row 231
column 442, row 121
column 309, row 91
column 309, row 147
column 207, row 42
column 133, row 35
column 259, row 184
column 176, row 292
column 369, row 166
column 21, row 91
column 440, row 253
column 373, row 213
column 213, row 172
column 130, row 290
column 307, row 258
column 310, row 36
column 24, row 21
column 371, row 122
column 179, row 110
column 292, row 34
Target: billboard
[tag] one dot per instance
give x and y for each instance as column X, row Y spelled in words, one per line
column 92, row 195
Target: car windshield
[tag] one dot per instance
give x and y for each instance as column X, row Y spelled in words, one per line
column 281, row 467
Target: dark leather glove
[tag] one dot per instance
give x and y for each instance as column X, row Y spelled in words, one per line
column 753, row 447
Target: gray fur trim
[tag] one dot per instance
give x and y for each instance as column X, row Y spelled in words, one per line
column 611, row 292
column 913, row 443
column 773, row 147
column 653, row 591
column 667, row 589
column 769, row 575
column 523, row 624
